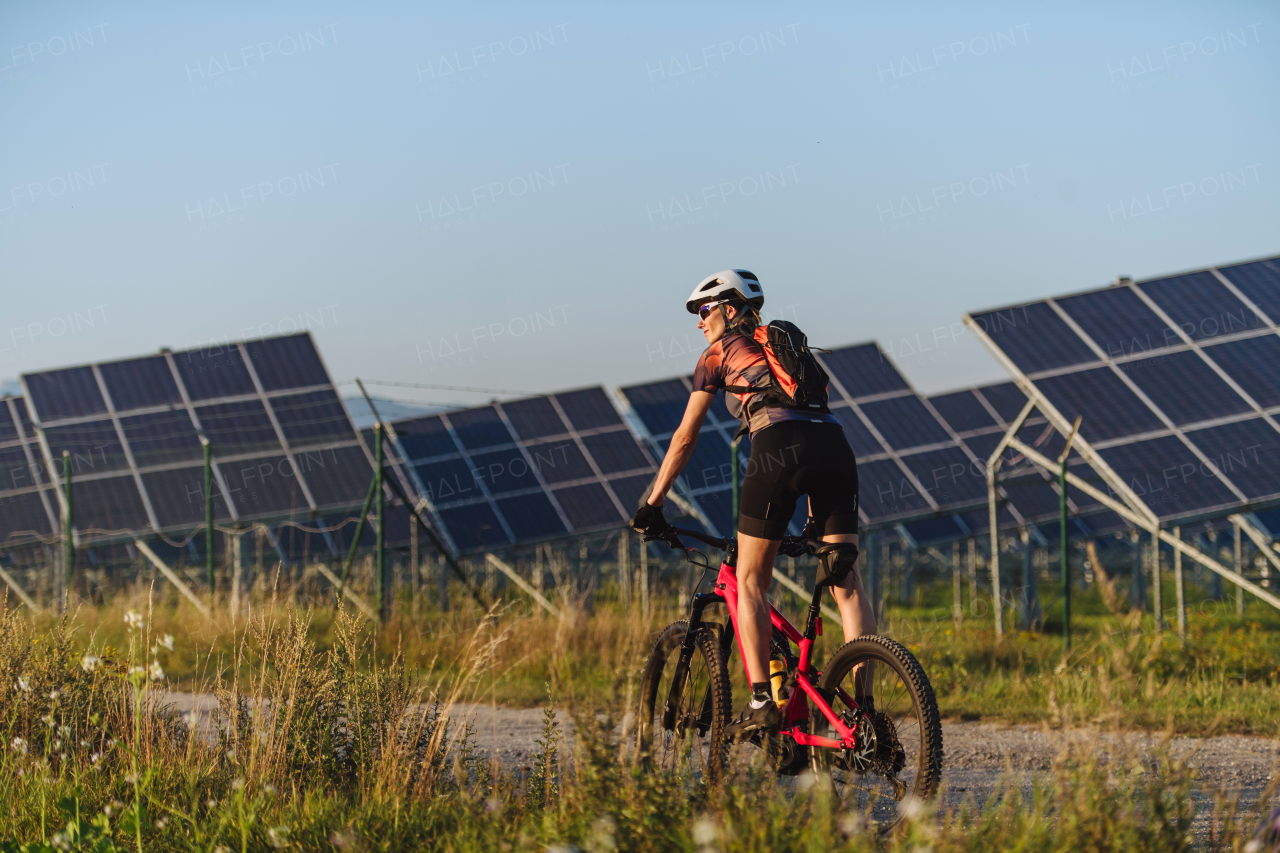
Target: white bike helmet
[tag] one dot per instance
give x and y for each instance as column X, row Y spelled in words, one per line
column 740, row 285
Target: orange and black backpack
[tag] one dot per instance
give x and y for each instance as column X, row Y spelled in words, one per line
column 799, row 382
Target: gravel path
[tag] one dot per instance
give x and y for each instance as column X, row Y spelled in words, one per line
column 979, row 755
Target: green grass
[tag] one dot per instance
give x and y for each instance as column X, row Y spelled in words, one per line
column 332, row 739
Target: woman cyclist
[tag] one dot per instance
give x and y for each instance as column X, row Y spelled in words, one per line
column 793, row 452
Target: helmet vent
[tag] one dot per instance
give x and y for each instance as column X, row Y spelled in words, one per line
column 714, row 283
column 749, row 276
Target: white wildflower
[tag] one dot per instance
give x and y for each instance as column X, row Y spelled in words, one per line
column 95, row 758
column 270, row 790
column 64, row 730
column 23, row 684
column 131, row 778
column 161, row 823
column 20, row 745
column 237, row 784
column 156, row 673
column 278, row 836
column 705, row 832
column 134, row 620
column 167, row 641
column 53, row 695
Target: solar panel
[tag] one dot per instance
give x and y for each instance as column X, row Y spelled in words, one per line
column 707, row 477
column 1163, row 473
column 1161, row 395
column 1201, row 306
column 964, row 411
column 905, row 422
column 861, row 439
column 1110, row 408
column 1259, row 282
column 864, row 370
column 1186, row 388
column 283, row 445
column 527, row 470
column 1006, row 398
column 1034, row 336
column 1254, row 363
column 1119, row 321
column 1245, row 453
column 27, row 509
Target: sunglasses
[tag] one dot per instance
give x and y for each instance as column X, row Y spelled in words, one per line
column 705, row 310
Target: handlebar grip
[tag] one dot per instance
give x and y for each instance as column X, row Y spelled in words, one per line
column 722, row 544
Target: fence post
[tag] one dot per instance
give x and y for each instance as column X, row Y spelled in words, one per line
column 644, row 579
column 236, row 571
column 68, row 539
column 415, row 578
column 1178, row 589
column 380, row 558
column 208, row 516
column 1237, row 565
column 624, row 567
column 957, row 603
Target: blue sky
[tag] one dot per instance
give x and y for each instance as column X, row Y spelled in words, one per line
column 522, row 196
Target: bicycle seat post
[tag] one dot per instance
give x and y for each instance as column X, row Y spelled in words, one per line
column 812, row 622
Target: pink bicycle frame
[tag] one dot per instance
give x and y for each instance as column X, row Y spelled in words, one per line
column 796, row 709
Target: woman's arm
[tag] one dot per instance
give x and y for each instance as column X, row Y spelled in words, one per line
column 682, row 444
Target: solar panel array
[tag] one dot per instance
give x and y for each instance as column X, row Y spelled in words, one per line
column 1178, row 380
column 980, row 417
column 28, row 509
column 910, row 462
column 528, row 470
column 283, row 443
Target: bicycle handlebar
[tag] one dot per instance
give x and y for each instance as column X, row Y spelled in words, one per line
column 793, row 545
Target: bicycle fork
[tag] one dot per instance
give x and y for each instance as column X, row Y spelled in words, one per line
column 679, row 680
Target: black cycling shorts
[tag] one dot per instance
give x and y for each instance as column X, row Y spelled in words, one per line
column 795, row 458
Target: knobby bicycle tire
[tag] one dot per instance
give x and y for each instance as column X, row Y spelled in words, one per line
column 928, row 753
column 707, row 683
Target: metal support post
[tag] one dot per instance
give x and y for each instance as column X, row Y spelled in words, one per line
column 355, row 541
column 1237, row 565
column 208, row 516
column 973, row 569
column 237, row 569
column 957, row 603
column 415, row 578
column 380, row 554
column 1030, row 597
column 624, row 567
column 1178, row 588
column 644, row 580
column 1064, row 556
column 997, row 604
column 1137, row 572
column 1157, row 592
column 68, row 537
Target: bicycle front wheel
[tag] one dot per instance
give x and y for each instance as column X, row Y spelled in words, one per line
column 900, row 756
column 681, row 726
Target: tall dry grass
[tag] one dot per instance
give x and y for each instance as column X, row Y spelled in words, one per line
column 327, row 733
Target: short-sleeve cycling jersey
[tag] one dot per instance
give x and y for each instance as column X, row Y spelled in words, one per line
column 735, row 360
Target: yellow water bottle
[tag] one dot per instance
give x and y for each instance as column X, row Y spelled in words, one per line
column 777, row 671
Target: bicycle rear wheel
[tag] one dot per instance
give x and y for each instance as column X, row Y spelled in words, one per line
column 686, row 736
column 901, row 755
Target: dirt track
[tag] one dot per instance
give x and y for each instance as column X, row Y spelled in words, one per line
column 978, row 755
